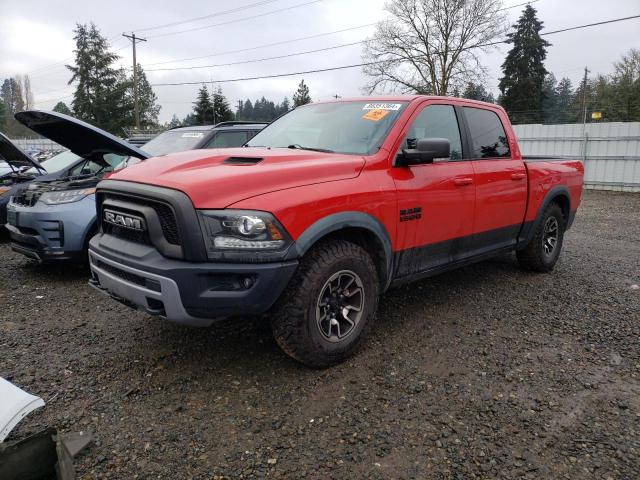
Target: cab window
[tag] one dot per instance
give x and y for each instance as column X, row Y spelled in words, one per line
column 436, row 121
column 488, row 138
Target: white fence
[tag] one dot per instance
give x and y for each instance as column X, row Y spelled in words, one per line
column 610, row 151
column 43, row 144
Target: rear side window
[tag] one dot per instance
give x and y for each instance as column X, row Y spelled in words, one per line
column 488, row 139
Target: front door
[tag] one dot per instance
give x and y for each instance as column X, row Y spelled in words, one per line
column 436, row 200
column 501, row 183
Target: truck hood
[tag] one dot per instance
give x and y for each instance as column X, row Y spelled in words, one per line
column 16, row 158
column 79, row 137
column 217, row 178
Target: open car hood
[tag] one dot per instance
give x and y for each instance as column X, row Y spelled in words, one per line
column 76, row 135
column 16, row 158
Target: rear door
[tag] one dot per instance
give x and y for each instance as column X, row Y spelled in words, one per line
column 436, row 200
column 501, row 182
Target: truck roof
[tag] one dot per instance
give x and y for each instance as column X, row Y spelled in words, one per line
column 221, row 125
column 407, row 98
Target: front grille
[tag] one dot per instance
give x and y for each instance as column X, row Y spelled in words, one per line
column 168, row 223
column 127, row 234
column 166, row 216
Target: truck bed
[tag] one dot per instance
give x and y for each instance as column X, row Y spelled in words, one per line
column 549, row 173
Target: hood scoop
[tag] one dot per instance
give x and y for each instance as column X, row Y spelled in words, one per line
column 242, row 160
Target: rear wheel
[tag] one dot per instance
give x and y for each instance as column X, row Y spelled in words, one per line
column 542, row 252
column 328, row 306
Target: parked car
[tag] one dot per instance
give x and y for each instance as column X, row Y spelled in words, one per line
column 54, row 218
column 326, row 208
column 54, row 168
column 221, row 135
column 16, row 167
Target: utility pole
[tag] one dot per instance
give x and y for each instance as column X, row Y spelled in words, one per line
column 136, row 106
column 584, row 114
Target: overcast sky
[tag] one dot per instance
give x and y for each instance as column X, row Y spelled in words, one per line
column 36, row 38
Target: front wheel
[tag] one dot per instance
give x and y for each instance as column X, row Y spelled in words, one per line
column 328, row 306
column 542, row 252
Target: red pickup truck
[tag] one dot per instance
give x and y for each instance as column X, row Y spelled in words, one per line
column 324, row 210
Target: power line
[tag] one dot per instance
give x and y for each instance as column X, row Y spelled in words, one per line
column 278, row 75
column 283, row 56
column 215, row 14
column 236, row 20
column 518, row 5
column 53, row 99
column 293, row 40
column 343, row 67
column 591, row 25
column 257, row 59
column 203, row 17
column 256, row 47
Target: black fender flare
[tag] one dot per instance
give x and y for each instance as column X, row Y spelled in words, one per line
column 339, row 221
column 526, row 232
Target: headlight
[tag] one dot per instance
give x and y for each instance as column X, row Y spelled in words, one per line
column 242, row 230
column 65, row 196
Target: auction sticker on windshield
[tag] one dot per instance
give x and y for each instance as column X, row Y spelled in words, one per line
column 192, row 135
column 375, row 115
column 382, row 106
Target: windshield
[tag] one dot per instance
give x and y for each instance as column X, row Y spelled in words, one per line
column 173, row 141
column 343, row 127
column 57, row 162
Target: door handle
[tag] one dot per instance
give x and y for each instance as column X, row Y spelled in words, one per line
column 459, row 182
column 518, row 176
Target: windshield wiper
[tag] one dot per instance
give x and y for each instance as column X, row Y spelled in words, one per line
column 296, row 146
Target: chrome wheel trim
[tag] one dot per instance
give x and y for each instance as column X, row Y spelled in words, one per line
column 550, row 235
column 340, row 306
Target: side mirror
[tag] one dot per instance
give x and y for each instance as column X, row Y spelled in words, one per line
column 426, row 150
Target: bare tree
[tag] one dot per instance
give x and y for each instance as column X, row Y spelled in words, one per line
column 431, row 46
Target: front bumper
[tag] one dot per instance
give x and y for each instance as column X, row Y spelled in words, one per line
column 189, row 293
column 52, row 233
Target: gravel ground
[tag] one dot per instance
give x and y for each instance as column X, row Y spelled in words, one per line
column 485, row 372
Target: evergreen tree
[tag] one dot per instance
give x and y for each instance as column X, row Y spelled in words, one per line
column 240, row 111
column 12, row 98
column 203, row 108
column 285, row 106
column 626, row 86
column 301, row 96
column 101, row 95
column 564, row 100
column 577, row 106
column 189, row 120
column 175, row 122
column 247, row 110
column 524, row 72
column 221, row 110
column 549, row 103
column 147, row 99
column 477, row 91
column 62, row 107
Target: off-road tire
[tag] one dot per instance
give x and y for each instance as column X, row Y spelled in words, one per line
column 534, row 257
column 294, row 319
